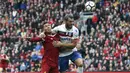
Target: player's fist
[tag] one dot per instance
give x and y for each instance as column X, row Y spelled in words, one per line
column 42, row 35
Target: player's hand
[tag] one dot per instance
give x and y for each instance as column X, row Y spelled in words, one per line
column 42, row 35
column 57, row 43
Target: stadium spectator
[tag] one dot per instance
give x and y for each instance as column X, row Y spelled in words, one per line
column 105, row 47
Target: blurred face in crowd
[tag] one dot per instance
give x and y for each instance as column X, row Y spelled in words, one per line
column 47, row 28
column 69, row 23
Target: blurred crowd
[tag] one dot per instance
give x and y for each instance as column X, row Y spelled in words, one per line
column 105, row 44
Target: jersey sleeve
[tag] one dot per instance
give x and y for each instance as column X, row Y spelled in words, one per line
column 75, row 38
column 75, row 34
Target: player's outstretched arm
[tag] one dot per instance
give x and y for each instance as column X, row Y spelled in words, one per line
column 65, row 45
column 36, row 39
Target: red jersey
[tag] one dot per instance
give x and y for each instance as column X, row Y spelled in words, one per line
column 50, row 52
column 3, row 61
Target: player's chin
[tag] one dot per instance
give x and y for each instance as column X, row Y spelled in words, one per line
column 48, row 32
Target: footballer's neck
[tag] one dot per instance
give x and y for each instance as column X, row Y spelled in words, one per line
column 50, row 34
column 67, row 27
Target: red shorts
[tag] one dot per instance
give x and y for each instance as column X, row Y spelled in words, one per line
column 49, row 67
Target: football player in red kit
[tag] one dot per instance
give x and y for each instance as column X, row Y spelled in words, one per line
column 3, row 62
column 50, row 58
column 51, row 54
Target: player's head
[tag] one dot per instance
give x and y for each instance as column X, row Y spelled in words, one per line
column 69, row 21
column 47, row 28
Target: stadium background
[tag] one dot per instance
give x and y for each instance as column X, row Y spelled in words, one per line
column 105, row 41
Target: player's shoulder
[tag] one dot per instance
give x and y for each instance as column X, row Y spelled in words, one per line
column 62, row 25
column 59, row 26
column 75, row 29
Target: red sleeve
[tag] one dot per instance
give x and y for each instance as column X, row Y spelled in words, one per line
column 36, row 39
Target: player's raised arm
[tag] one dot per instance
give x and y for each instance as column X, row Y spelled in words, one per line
column 37, row 39
column 65, row 45
column 34, row 39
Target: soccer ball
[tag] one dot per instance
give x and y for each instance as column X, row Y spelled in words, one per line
column 90, row 6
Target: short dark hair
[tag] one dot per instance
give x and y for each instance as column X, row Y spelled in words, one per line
column 68, row 16
column 42, row 26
